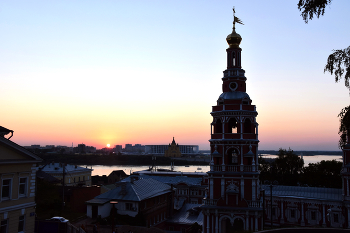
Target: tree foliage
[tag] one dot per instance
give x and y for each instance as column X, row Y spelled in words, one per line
column 338, row 63
column 323, row 174
column 344, row 118
column 288, row 169
column 309, row 8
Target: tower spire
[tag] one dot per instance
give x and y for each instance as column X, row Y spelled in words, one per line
column 234, row 39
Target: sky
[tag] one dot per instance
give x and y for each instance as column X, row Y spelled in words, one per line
column 117, row 72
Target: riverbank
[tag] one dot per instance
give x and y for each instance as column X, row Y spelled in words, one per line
column 90, row 159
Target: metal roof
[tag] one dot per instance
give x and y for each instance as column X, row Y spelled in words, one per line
column 304, row 192
column 57, row 168
column 191, row 181
column 137, row 191
column 189, row 214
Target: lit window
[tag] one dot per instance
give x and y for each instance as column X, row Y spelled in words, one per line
column 6, row 189
column 21, row 224
column 22, row 187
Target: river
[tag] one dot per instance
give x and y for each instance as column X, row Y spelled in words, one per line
column 106, row 170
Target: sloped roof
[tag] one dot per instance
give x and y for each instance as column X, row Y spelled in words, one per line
column 58, row 168
column 184, row 216
column 137, row 191
column 304, row 192
column 45, row 176
column 118, row 172
column 31, row 156
column 191, row 181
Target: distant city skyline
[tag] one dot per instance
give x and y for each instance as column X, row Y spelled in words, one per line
column 143, row 72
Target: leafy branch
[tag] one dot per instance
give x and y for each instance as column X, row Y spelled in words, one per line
column 338, row 63
column 344, row 118
column 309, row 8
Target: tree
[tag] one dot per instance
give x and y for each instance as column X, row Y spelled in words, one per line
column 289, row 167
column 323, row 174
column 338, row 63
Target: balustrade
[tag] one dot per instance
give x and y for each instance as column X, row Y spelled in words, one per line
column 210, row 201
column 234, row 168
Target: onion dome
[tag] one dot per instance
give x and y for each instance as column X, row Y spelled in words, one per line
column 234, row 39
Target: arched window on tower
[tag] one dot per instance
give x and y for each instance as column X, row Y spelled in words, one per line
column 233, row 58
column 218, row 126
column 232, row 125
column 232, row 155
column 247, row 126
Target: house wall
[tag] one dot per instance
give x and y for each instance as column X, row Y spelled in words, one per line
column 89, row 211
column 17, row 205
column 306, row 212
column 104, row 210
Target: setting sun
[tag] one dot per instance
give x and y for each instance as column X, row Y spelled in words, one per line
column 108, row 145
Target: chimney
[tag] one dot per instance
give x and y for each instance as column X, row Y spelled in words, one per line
column 4, row 131
column 123, row 189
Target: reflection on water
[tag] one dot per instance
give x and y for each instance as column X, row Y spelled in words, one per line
column 312, row 159
column 128, row 169
column 106, row 170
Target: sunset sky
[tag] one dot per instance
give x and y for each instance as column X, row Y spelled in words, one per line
column 99, row 72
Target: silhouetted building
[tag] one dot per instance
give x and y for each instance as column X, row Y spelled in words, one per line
column 160, row 149
column 173, row 150
column 118, row 148
column 74, row 175
column 116, row 176
column 151, row 198
column 81, row 148
column 233, row 202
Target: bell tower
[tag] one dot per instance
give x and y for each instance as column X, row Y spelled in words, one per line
column 233, row 200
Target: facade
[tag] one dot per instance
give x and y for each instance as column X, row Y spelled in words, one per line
column 74, row 175
column 187, row 189
column 160, row 149
column 233, row 202
column 17, row 201
column 147, row 196
column 116, row 176
column 305, row 207
column 173, row 150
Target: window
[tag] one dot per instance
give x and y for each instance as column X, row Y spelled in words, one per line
column 6, row 189
column 234, row 158
column 21, row 224
column 292, row 213
column 247, row 126
column 233, row 59
column 273, row 211
column 218, row 126
column 232, row 126
column 3, row 227
column 129, row 206
column 313, row 215
column 23, row 187
column 336, row 218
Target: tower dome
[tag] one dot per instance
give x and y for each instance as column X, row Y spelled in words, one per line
column 234, row 39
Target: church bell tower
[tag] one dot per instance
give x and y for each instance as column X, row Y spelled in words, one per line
column 233, row 200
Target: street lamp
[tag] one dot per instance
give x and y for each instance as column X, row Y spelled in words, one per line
column 113, row 209
column 271, row 184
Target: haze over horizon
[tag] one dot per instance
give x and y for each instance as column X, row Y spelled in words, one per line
column 144, row 72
